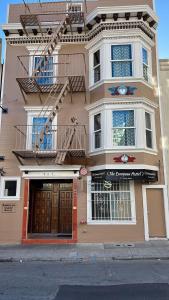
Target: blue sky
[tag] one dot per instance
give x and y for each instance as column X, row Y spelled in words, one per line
column 162, row 7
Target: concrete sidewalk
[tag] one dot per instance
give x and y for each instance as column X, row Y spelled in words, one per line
column 85, row 252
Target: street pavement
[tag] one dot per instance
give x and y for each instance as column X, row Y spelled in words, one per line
column 127, row 292
column 115, row 280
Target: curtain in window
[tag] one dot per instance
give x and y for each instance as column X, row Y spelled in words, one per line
column 121, row 56
column 123, row 128
column 38, row 125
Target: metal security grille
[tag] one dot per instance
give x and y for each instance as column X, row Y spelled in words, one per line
column 111, row 201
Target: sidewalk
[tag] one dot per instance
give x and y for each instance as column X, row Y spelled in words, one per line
column 85, row 252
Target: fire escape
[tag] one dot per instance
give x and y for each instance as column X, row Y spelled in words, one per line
column 46, row 140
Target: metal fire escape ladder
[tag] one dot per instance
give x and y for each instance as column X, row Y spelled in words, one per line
column 50, row 47
column 71, row 131
column 58, row 102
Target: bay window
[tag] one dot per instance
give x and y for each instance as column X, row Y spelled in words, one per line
column 148, row 126
column 145, row 64
column 112, row 203
column 121, row 59
column 96, row 66
column 123, row 128
column 97, row 131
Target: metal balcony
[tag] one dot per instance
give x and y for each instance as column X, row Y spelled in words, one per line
column 55, row 142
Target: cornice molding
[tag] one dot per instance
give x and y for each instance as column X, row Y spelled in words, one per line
column 121, row 101
column 84, row 38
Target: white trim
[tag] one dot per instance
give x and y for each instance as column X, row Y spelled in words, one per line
column 124, row 166
column 145, row 212
column 2, row 185
column 95, row 222
column 128, row 150
column 106, row 108
column 105, row 45
column 121, row 101
column 50, row 168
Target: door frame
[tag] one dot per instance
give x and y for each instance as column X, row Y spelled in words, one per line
column 26, row 240
column 145, row 210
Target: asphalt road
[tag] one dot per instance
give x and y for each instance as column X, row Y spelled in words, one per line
column 136, row 280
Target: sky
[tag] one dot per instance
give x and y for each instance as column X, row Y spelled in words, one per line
column 162, row 9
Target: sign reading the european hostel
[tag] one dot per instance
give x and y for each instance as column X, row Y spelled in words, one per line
column 114, row 175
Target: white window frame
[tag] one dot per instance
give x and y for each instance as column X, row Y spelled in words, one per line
column 95, row 131
column 105, row 222
column 106, row 68
column 75, row 4
column 95, row 67
column 147, row 65
column 150, row 130
column 134, row 127
column 124, row 60
column 54, row 70
column 31, row 114
column 107, row 139
column 2, row 187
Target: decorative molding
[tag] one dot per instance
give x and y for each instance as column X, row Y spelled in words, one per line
column 122, row 90
column 83, row 38
column 127, row 100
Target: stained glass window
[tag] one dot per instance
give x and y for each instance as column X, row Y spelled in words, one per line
column 121, row 59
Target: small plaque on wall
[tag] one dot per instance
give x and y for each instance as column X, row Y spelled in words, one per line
column 8, row 208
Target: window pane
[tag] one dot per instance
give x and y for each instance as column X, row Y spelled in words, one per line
column 97, row 58
column 121, row 52
column 145, row 72
column 145, row 56
column 97, row 74
column 124, row 137
column 97, row 122
column 100, row 206
column 97, row 142
column 113, row 205
column 121, row 69
column 149, row 139
column 123, row 118
column 10, row 188
column 148, row 120
column 46, row 70
column 38, row 125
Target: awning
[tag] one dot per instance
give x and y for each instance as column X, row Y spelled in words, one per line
column 124, row 174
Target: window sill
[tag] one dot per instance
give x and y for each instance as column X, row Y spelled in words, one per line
column 123, row 150
column 111, row 223
column 9, row 199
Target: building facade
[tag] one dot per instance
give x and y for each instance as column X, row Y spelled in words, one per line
column 82, row 138
column 164, row 95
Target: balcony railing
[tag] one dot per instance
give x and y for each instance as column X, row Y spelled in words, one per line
column 54, row 71
column 56, row 139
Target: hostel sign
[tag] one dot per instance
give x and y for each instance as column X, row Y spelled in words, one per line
column 116, row 175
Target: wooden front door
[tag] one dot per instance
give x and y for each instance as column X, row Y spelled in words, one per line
column 51, row 210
